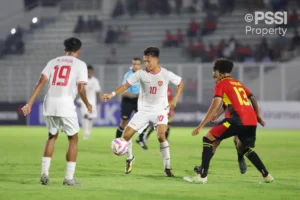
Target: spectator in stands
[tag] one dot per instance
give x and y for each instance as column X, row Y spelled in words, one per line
column 278, row 5
column 229, row 49
column 151, row 6
column 169, row 39
column 190, row 49
column 295, row 43
column 263, row 51
column 211, row 53
column 124, row 36
column 199, row 49
column 178, row 6
column 98, row 25
column 220, row 48
column 179, row 37
column 118, row 9
column 226, row 6
column 193, row 29
column 242, row 52
column 80, row 25
column 293, row 19
column 110, row 35
column 112, row 58
column 193, row 7
column 210, row 24
column 164, row 7
column 90, row 24
column 132, row 7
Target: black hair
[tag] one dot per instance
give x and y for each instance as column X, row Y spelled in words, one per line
column 152, row 51
column 72, row 44
column 90, row 67
column 137, row 58
column 223, row 65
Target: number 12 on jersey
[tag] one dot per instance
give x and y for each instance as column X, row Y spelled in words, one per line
column 62, row 73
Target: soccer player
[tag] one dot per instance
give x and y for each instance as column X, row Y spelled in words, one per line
column 93, row 94
column 224, row 109
column 143, row 138
column 242, row 122
column 66, row 75
column 153, row 104
column 129, row 97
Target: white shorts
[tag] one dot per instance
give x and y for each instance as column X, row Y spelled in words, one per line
column 140, row 120
column 68, row 125
column 84, row 111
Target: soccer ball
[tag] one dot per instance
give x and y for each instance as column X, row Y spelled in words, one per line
column 119, row 146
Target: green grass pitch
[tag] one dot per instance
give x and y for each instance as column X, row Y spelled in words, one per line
column 102, row 173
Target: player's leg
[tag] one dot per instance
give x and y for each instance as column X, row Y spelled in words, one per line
column 138, row 122
column 126, row 110
column 71, row 128
column 220, row 131
column 86, row 121
column 52, row 124
column 150, row 130
column 245, row 143
column 241, row 160
column 140, row 138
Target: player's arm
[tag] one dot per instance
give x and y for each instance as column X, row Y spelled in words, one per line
column 215, row 105
column 219, row 113
column 130, row 81
column 256, row 108
column 129, row 95
column 176, row 80
column 37, row 90
column 82, row 93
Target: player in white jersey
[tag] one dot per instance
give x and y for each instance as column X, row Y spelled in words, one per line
column 93, row 94
column 153, row 105
column 66, row 76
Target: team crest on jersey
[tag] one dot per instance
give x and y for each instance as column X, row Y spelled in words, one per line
column 160, row 83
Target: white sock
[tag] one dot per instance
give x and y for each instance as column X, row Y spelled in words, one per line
column 90, row 126
column 70, row 170
column 129, row 152
column 46, row 165
column 85, row 126
column 165, row 154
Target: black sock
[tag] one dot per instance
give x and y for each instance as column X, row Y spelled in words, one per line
column 167, row 133
column 149, row 132
column 207, row 154
column 119, row 132
column 256, row 161
column 141, row 137
column 240, row 156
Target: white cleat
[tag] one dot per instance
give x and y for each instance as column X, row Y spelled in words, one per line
column 196, row 179
column 268, row 179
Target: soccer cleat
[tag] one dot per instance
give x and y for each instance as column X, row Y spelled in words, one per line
column 196, row 179
column 268, row 179
column 129, row 163
column 169, row 173
column 71, row 182
column 242, row 166
column 44, row 180
column 142, row 144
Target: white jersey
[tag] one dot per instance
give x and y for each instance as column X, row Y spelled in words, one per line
column 92, row 87
column 153, row 96
column 63, row 74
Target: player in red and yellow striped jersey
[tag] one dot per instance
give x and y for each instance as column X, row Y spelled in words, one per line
column 242, row 121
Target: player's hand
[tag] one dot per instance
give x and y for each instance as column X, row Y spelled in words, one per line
column 196, row 131
column 261, row 121
column 26, row 109
column 173, row 103
column 90, row 108
column 107, row 97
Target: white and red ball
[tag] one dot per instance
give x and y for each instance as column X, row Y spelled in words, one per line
column 119, row 146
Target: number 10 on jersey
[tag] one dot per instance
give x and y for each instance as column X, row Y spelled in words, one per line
column 153, row 90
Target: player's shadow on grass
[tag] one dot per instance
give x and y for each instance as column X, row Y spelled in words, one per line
column 156, row 176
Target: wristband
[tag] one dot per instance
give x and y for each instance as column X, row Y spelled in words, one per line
column 113, row 93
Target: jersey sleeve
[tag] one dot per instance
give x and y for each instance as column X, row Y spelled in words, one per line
column 47, row 70
column 82, row 76
column 218, row 91
column 173, row 78
column 134, row 78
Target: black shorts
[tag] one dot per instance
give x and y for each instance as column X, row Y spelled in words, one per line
column 225, row 129
column 128, row 106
